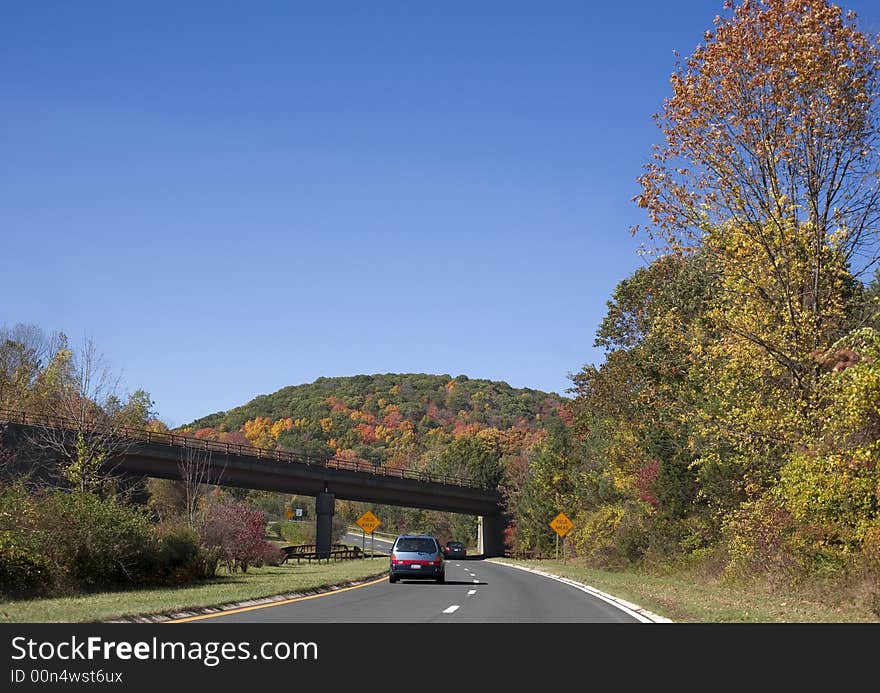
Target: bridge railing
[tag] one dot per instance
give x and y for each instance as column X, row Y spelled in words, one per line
column 205, row 444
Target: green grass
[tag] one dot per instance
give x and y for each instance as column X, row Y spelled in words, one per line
column 256, row 583
column 287, row 532
column 689, row 596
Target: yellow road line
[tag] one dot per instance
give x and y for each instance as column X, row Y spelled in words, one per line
column 281, row 603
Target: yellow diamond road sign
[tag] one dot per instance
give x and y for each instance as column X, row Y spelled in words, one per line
column 561, row 524
column 368, row 522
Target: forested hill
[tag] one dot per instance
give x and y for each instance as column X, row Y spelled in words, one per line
column 385, row 418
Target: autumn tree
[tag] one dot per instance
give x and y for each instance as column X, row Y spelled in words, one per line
column 259, row 432
column 770, row 156
column 635, row 415
column 28, row 367
column 551, row 486
column 85, row 429
column 475, row 457
column 772, row 119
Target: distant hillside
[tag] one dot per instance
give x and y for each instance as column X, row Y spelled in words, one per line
column 391, row 418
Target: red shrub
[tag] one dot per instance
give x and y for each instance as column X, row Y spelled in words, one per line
column 239, row 532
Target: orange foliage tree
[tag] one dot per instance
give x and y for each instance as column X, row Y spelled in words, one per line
column 770, row 121
column 769, row 167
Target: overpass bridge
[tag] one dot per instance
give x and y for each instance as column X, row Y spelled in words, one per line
column 165, row 455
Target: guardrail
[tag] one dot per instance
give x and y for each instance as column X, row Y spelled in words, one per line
column 193, row 443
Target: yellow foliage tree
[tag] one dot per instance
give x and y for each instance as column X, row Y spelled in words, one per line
column 259, row 432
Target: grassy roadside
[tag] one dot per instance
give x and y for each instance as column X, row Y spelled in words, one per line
column 683, row 596
column 256, row 583
column 686, row 596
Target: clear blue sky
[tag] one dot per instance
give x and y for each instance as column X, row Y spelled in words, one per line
column 233, row 197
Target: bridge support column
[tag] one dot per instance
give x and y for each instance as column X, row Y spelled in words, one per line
column 490, row 535
column 324, row 507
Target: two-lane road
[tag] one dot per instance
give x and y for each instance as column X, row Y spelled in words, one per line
column 475, row 591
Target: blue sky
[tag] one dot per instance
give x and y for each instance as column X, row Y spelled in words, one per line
column 229, row 197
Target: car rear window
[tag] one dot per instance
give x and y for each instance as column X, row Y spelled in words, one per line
column 416, row 544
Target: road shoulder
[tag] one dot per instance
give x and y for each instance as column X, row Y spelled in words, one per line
column 634, row 610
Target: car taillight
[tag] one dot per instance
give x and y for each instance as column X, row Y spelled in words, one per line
column 438, row 560
column 394, row 560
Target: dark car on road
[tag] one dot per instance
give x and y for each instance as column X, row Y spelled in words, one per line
column 454, row 549
column 417, row 557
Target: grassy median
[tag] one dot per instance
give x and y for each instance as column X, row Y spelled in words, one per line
column 688, row 596
column 225, row 589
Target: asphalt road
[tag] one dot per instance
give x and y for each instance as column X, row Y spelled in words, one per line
column 367, row 543
column 475, row 591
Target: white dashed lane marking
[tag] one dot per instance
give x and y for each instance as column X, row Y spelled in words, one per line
column 470, row 592
column 450, row 609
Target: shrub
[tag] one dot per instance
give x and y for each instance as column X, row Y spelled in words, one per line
column 612, row 536
column 17, row 508
column 870, row 554
column 94, row 543
column 760, row 539
column 75, row 541
column 268, row 555
column 238, row 531
column 23, row 571
column 864, row 568
column 834, row 490
column 209, row 560
column 632, row 538
column 179, row 556
column 593, row 533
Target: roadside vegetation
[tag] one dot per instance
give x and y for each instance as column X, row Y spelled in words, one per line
column 692, row 594
column 223, row 588
column 730, row 433
column 68, row 524
column 286, row 533
column 735, row 420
